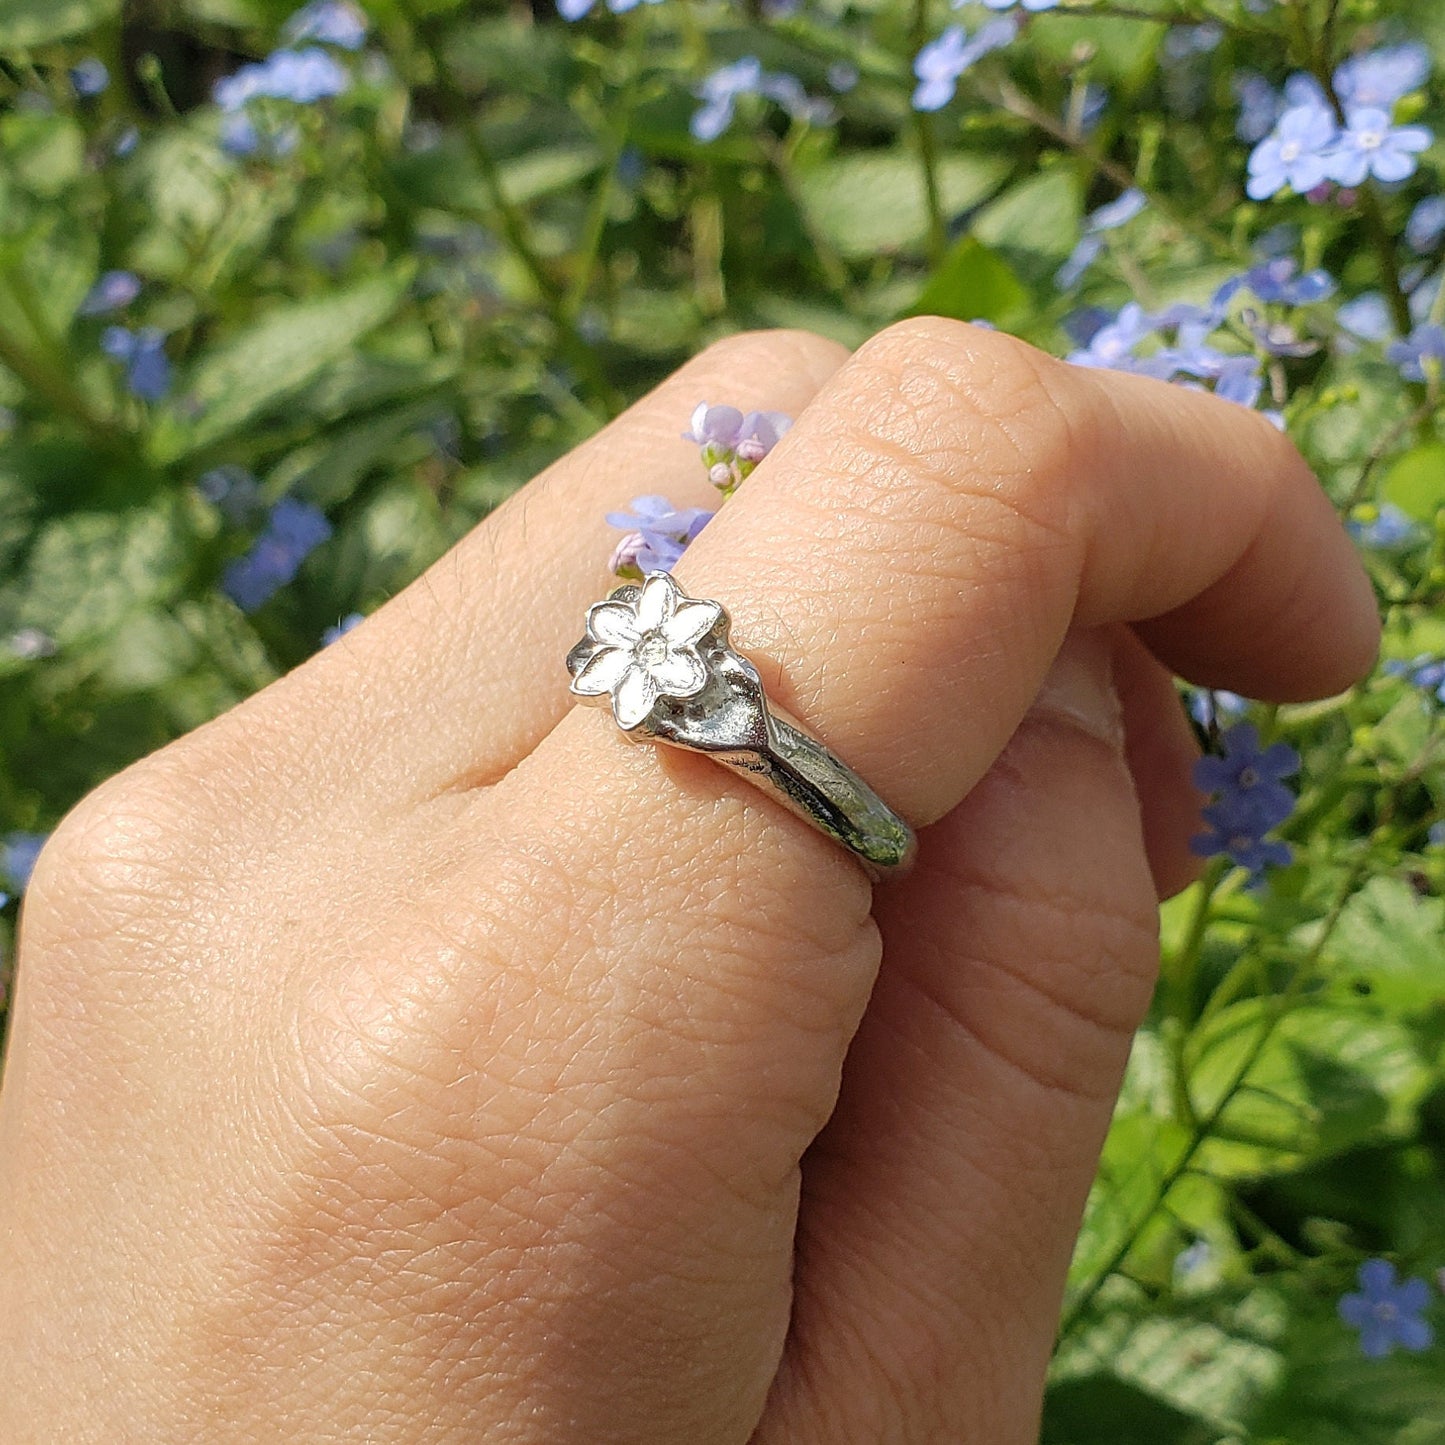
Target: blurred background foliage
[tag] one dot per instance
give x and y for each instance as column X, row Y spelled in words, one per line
column 263, row 360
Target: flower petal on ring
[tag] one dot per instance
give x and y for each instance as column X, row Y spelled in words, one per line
column 613, row 624
column 656, row 602
column 602, row 671
column 633, row 697
column 680, row 674
column 690, row 621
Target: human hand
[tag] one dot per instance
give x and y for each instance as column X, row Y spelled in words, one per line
column 404, row 1056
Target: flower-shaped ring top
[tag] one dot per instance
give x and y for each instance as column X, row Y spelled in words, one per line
column 664, row 661
column 646, row 648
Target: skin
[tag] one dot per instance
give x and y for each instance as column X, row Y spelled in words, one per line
column 407, row 1056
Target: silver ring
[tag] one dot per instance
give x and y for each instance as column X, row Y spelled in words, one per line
column 663, row 661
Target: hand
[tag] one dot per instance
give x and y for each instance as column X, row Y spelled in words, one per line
column 405, row 1056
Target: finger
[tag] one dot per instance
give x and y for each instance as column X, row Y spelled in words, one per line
column 941, row 1202
column 905, row 566
column 454, row 680
column 1161, row 751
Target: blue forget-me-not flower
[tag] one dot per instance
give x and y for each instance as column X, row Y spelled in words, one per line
column 1294, row 153
column 941, row 62
column 89, row 78
column 17, row 858
column 1387, row 1311
column 143, row 354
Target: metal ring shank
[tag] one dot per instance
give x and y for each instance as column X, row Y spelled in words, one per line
column 820, row 788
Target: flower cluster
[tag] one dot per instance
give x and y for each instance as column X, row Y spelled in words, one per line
column 732, row 444
column 294, row 529
column 301, row 76
column 1249, row 800
column 1221, row 346
column 1344, row 136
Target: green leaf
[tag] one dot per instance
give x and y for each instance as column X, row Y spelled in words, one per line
column 1105, row 1410
column 88, row 571
column 1392, row 940
column 1318, row 1080
column 973, row 284
column 1034, row 224
column 257, row 369
column 875, row 201
column 1416, row 483
column 27, row 23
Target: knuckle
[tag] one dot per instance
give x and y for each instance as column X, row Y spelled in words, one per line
column 982, row 409
column 121, row 847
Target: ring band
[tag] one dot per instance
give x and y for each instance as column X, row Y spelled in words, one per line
column 663, row 661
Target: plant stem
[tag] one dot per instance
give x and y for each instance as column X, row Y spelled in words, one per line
column 927, row 151
column 595, row 224
column 511, row 218
column 1204, row 1125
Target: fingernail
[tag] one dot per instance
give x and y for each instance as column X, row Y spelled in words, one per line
column 1079, row 688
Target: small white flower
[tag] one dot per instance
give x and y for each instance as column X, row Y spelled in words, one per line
column 646, row 648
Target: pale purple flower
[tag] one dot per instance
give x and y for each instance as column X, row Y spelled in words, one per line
column 724, row 431
column 1387, row 530
column 1426, row 225
column 1259, row 106
column 114, row 291
column 303, row 76
column 1113, row 345
column 576, row 9
column 1250, row 801
column 1294, row 153
column 330, row 22
column 1030, row 5
column 293, row 530
column 1371, row 146
column 658, row 533
column 1387, row 1311
column 1366, row 316
column 1278, row 280
column 1118, row 212
column 941, row 62
column 30, row 644
column 1381, row 77
column 719, row 93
